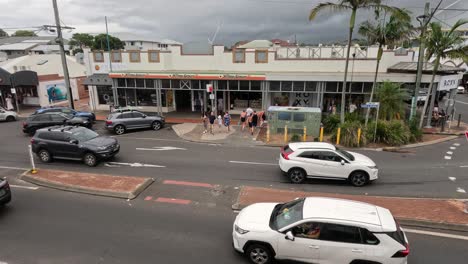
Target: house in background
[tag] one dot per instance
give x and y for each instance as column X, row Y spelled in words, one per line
column 14, row 47
column 135, row 42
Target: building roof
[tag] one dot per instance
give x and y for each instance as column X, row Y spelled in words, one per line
column 18, row 46
column 44, row 64
column 46, row 48
column 256, row 44
column 125, row 36
column 412, row 67
column 12, row 40
column 282, row 43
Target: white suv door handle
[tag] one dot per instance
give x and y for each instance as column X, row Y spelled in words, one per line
column 314, row 247
column 356, row 250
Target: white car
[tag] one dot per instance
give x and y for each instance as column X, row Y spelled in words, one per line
column 461, row 89
column 6, row 115
column 323, row 160
column 321, row 231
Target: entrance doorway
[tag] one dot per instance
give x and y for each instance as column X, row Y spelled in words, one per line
column 183, row 101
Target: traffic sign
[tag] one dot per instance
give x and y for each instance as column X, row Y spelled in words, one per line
column 209, row 88
column 370, row 105
column 13, row 90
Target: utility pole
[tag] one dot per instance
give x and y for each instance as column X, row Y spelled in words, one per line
column 62, row 54
column 108, row 46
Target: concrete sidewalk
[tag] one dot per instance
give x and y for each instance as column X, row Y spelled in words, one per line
column 96, row 184
column 440, row 213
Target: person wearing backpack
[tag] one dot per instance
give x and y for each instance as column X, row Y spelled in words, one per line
column 254, row 122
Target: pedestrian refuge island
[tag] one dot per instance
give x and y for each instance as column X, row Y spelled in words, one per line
column 294, row 119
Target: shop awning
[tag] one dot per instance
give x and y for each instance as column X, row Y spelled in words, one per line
column 412, row 67
column 98, row 79
column 20, row 78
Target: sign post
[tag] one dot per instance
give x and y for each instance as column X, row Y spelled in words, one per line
column 209, row 89
column 373, row 105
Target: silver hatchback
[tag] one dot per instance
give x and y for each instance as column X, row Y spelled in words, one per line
column 120, row 122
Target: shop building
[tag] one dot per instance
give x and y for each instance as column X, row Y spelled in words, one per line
column 257, row 74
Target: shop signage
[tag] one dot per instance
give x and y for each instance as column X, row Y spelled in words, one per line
column 13, row 90
column 209, row 88
column 370, row 105
column 198, row 76
column 448, row 82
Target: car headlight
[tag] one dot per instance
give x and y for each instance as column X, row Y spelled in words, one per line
column 372, row 167
column 240, row 230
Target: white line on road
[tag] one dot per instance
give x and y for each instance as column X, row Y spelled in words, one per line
column 24, row 187
column 464, row 166
column 456, row 144
column 430, row 233
column 448, row 157
column 136, row 164
column 161, row 148
column 13, row 168
column 460, row 190
column 452, row 178
column 449, row 152
column 252, row 163
column 453, row 148
column 460, row 102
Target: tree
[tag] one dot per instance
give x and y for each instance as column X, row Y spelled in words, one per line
column 24, row 33
column 442, row 44
column 396, row 29
column 81, row 40
column 100, row 42
column 3, row 34
column 353, row 6
column 391, row 98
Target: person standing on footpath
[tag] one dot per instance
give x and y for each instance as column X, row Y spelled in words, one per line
column 249, row 111
column 227, row 121
column 205, row 123
column 243, row 115
column 254, row 122
column 212, row 120
column 220, row 120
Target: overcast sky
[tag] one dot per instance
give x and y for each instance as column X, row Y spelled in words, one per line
column 197, row 20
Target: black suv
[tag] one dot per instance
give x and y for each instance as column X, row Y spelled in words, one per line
column 73, row 143
column 38, row 121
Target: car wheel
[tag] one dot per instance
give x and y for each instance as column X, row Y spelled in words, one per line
column 44, row 156
column 90, row 159
column 259, row 254
column 359, row 178
column 156, row 125
column 10, row 118
column 119, row 130
column 297, row 175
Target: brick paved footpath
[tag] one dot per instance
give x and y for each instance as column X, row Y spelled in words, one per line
column 414, row 209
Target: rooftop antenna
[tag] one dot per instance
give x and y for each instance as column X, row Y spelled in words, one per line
column 211, row 41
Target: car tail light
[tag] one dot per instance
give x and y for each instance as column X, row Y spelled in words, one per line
column 402, row 253
column 32, row 141
column 285, row 153
column 108, row 122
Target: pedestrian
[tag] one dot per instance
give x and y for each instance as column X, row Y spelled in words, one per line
column 227, row 121
column 261, row 117
column 205, row 123
column 220, row 120
column 9, row 103
column 254, row 122
column 212, row 119
column 249, row 111
column 249, row 121
column 243, row 116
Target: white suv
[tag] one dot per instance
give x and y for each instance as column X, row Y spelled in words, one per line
column 320, row 230
column 8, row 116
column 323, row 160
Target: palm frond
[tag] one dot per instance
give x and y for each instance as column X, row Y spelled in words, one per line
column 331, row 7
column 458, row 24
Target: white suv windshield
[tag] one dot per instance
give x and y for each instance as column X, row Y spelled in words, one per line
column 345, row 153
column 286, row 214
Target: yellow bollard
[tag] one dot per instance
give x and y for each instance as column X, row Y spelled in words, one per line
column 359, row 136
column 321, row 134
column 268, row 134
column 338, row 136
column 286, row 134
column 305, row 134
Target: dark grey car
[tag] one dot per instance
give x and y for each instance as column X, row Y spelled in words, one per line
column 120, row 122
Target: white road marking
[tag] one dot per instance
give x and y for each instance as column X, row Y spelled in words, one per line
column 161, row 148
column 136, row 164
column 13, row 168
column 460, row 190
column 252, row 163
column 24, row 187
column 448, row 157
column 452, row 178
column 449, row 152
column 453, row 148
column 430, row 233
column 464, row 166
column 456, row 144
column 460, row 102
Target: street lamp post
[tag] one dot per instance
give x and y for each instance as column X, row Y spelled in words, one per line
column 13, row 90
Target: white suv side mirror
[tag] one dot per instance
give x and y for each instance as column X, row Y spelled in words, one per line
column 289, row 236
column 343, row 162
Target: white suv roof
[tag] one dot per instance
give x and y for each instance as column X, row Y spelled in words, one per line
column 311, row 145
column 375, row 218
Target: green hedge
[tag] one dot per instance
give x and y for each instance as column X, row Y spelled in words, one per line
column 393, row 133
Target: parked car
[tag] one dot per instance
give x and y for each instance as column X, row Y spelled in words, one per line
column 119, row 122
column 321, row 231
column 8, row 116
column 323, row 160
column 461, row 89
column 73, row 143
column 67, row 110
column 5, row 192
column 35, row 122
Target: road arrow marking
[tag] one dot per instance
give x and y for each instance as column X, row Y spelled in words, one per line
column 452, row 178
column 460, row 190
column 161, row 148
column 449, row 152
column 136, row 164
column 448, row 157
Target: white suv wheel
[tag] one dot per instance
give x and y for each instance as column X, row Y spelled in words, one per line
column 259, row 254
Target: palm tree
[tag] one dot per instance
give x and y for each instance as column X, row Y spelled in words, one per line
column 391, row 98
column 353, row 6
column 442, row 44
column 396, row 29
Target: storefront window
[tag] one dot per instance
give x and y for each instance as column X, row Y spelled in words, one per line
column 131, row 97
column 331, row 87
column 356, row 87
column 233, row 85
column 121, row 82
column 146, row 97
column 196, row 84
column 280, row 99
column 243, row 100
column 222, row 85
column 255, row 86
column 368, row 87
column 130, row 82
column 311, row 86
column 244, row 85
column 166, row 83
column 175, row 84
column 169, row 98
column 140, row 83
column 104, row 94
column 122, row 97
column 275, row 86
column 149, row 83
column 286, row 86
column 298, row 86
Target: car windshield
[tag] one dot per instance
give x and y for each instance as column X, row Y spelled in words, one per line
column 345, row 153
column 84, row 135
column 287, row 213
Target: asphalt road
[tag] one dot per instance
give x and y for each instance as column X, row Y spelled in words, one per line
column 461, row 107
column 421, row 172
column 47, row 226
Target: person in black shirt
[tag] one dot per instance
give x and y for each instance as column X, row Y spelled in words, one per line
column 254, row 122
column 212, row 120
